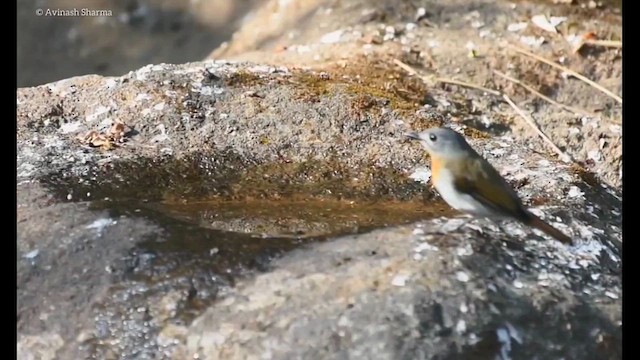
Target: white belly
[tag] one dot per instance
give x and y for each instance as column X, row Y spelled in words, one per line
column 457, row 200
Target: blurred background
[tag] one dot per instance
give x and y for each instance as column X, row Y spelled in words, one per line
column 138, row 33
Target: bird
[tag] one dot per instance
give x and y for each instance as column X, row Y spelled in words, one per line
column 470, row 184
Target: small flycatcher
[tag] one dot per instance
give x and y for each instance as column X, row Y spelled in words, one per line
column 468, row 183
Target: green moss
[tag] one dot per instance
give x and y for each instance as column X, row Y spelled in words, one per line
column 365, row 77
column 374, row 83
column 476, row 134
column 264, row 140
column 310, row 86
column 243, row 78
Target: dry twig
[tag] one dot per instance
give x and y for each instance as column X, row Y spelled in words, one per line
column 567, row 70
column 605, row 43
column 544, row 97
column 563, row 156
column 469, row 85
column 412, row 71
column 407, row 68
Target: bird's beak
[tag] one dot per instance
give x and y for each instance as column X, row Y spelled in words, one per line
column 413, row 135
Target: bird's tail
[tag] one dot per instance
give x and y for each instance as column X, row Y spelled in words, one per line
column 537, row 223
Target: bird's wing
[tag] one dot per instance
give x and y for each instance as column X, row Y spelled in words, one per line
column 482, row 182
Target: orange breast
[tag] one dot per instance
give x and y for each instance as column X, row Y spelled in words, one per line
column 436, row 169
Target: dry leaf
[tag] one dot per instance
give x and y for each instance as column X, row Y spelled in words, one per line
column 548, row 24
column 116, row 134
column 118, row 131
column 532, row 40
column 84, row 137
column 517, row 26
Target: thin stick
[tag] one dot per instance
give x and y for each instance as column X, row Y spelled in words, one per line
column 605, row 43
column 567, row 70
column 544, row 97
column 412, row 71
column 407, row 68
column 563, row 156
column 466, row 84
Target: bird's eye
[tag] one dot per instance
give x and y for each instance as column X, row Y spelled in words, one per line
column 432, row 137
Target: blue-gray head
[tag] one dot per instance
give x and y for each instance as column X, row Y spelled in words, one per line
column 442, row 142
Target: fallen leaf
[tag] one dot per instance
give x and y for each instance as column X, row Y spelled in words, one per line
column 116, row 134
column 548, row 23
column 118, row 131
column 532, row 40
column 83, row 137
column 517, row 26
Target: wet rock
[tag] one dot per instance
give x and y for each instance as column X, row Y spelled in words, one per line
column 39, row 347
column 309, row 307
column 171, row 335
column 169, row 305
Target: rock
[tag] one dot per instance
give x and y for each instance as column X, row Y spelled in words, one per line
column 301, row 305
column 169, row 305
column 171, row 335
column 39, row 347
column 317, row 305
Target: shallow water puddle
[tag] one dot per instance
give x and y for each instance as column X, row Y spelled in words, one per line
column 211, row 220
column 204, row 246
column 229, row 237
column 298, row 218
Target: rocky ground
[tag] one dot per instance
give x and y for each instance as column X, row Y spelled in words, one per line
column 314, row 108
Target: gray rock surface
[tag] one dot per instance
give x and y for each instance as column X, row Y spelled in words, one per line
column 419, row 292
column 335, row 299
